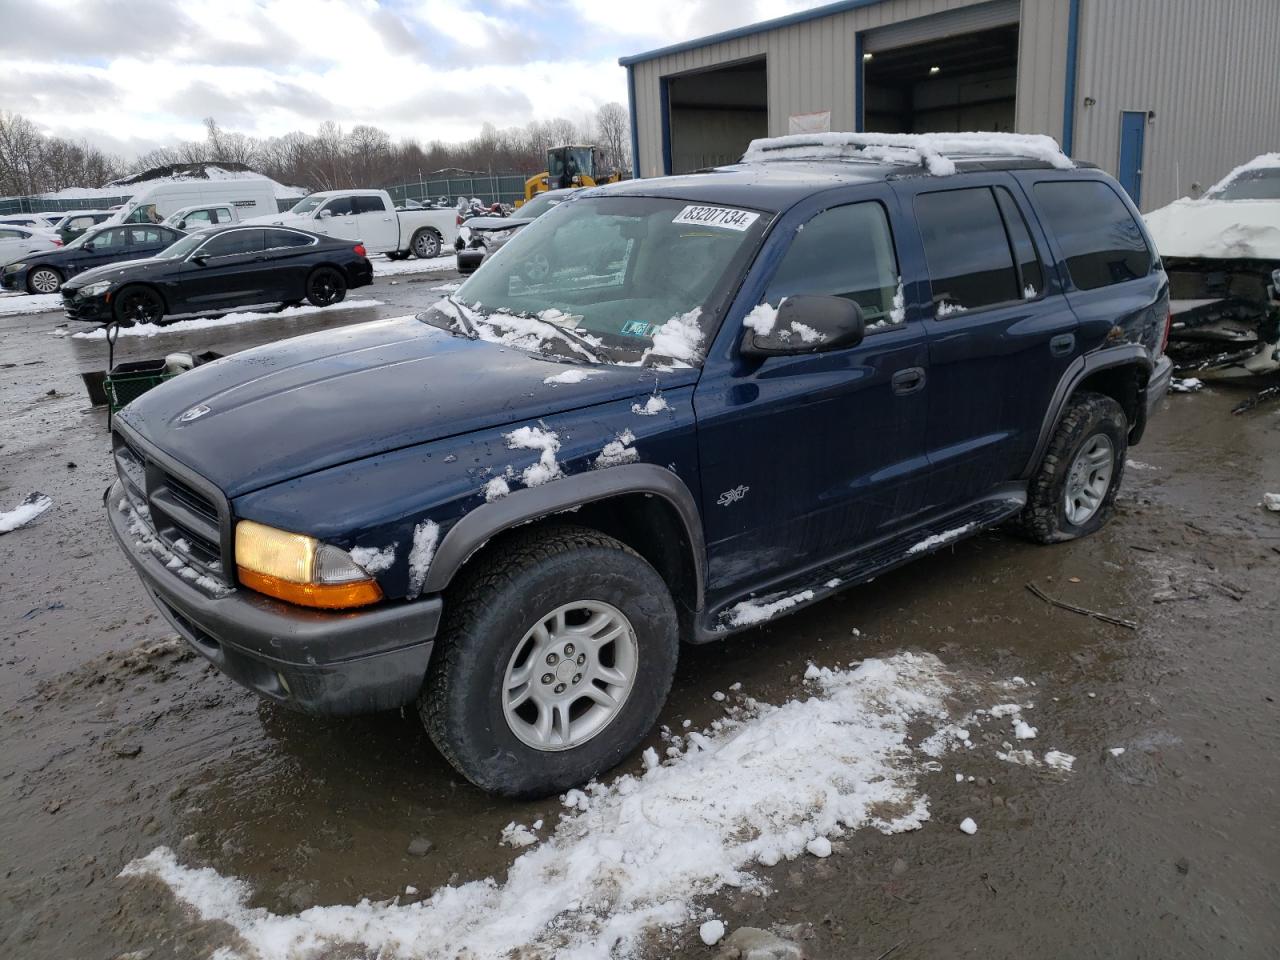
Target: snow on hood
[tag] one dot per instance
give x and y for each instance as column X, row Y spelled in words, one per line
column 932, row 150
column 1217, row 229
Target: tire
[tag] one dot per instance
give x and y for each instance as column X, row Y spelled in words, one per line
column 325, row 287
column 1073, row 492
column 138, row 304
column 426, row 244
column 490, row 635
column 41, row 279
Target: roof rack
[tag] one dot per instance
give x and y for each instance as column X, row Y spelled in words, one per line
column 936, row 152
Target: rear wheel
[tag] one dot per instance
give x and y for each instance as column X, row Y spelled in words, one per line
column 43, row 280
column 554, row 660
column 426, row 244
column 138, row 305
column 325, row 287
column 1074, row 490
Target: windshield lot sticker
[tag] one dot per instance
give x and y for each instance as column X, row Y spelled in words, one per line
column 724, row 217
column 635, row 328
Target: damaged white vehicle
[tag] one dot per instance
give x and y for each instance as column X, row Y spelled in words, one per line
column 1222, row 254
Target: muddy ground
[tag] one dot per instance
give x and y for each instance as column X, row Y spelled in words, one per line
column 114, row 739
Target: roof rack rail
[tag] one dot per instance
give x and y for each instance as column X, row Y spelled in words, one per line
column 936, row 152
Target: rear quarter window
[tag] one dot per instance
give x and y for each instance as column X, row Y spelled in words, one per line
column 1102, row 243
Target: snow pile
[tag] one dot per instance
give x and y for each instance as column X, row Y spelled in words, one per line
column 631, row 856
column 761, row 319
column 374, row 560
column 747, row 612
column 545, row 441
column 618, row 451
column 939, row 539
column 226, row 320
column 30, row 508
column 518, row 835
column 382, row 267
column 652, row 407
column 496, row 489
column 569, row 376
column 426, row 536
column 711, row 932
column 680, row 338
column 934, row 151
column 30, row 303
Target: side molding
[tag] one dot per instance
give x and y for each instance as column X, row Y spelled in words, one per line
column 1121, row 355
column 533, row 503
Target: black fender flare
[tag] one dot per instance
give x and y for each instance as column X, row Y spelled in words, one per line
column 1121, row 355
column 482, row 524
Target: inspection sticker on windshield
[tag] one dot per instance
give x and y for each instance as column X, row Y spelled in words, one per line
column 724, row 217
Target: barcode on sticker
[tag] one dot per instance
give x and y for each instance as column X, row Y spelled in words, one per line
column 725, row 217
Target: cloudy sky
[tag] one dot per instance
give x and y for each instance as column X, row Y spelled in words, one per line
column 133, row 74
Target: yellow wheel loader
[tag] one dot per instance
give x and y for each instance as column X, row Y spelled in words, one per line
column 572, row 165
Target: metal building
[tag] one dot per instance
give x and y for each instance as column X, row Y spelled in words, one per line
column 1167, row 95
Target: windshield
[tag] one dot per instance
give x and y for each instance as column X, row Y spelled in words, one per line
column 180, row 248
column 308, row 204
column 536, row 207
column 630, row 278
column 1261, row 184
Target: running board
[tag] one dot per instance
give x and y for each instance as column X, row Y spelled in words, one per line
column 859, row 567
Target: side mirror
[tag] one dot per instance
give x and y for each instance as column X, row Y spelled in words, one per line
column 808, row 324
column 88, row 246
column 200, row 259
column 325, row 214
column 182, row 224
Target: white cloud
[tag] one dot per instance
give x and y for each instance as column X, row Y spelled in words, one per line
column 430, row 71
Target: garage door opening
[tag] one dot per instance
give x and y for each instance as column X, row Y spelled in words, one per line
column 963, row 82
column 713, row 115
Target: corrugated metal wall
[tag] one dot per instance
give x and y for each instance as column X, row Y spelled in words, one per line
column 812, row 68
column 1209, row 70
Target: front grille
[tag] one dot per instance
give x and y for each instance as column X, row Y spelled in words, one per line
column 186, row 520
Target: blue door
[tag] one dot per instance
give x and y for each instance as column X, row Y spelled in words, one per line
column 1133, row 130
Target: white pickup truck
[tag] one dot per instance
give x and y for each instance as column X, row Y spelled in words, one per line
column 369, row 217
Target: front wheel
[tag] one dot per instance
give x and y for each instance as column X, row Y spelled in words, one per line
column 426, row 244
column 138, row 305
column 1073, row 492
column 44, row 280
column 553, row 663
column 325, row 287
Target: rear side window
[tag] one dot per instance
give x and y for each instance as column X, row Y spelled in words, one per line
column 369, row 204
column 1030, row 273
column 843, row 252
column 235, row 242
column 148, row 236
column 970, row 265
column 277, row 239
column 12, row 235
column 1099, row 237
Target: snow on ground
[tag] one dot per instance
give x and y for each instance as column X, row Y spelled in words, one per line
column 752, row 611
column 630, row 857
column 938, row 539
column 30, row 508
column 382, row 267
column 30, row 303
column 226, row 320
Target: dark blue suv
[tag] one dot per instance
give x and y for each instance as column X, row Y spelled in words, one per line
column 738, row 392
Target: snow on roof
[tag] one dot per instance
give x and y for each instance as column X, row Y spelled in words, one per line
column 935, row 151
column 1261, row 162
column 177, row 172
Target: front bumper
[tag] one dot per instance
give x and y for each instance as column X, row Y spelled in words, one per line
column 335, row 664
column 14, row 280
column 90, row 309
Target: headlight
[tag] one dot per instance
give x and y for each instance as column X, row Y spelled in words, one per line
column 301, row 569
column 15, row 267
column 95, row 289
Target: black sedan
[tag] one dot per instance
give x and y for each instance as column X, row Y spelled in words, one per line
column 47, row 271
column 221, row 269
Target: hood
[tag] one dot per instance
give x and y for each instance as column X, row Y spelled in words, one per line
column 494, row 223
column 1217, row 229
column 290, row 408
column 116, row 271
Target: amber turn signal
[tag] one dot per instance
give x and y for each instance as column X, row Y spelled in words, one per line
column 326, row 596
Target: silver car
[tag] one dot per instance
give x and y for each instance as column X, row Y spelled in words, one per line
column 480, row 236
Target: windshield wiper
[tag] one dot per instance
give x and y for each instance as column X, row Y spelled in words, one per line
column 573, row 336
column 460, row 314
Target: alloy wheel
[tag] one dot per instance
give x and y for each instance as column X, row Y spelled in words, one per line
column 45, row 281
column 1089, row 479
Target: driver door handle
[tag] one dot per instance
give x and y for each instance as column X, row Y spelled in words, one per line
column 908, row 381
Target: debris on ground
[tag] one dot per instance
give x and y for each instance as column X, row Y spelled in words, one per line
column 968, row 826
column 1271, row 501
column 752, row 943
column 25, row 512
column 1187, row 385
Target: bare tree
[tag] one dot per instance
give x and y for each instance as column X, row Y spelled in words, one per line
column 613, row 125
